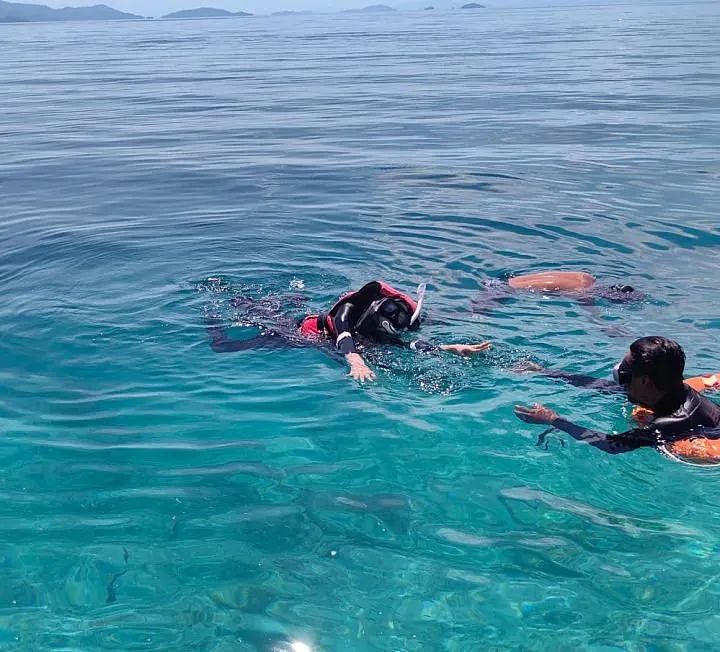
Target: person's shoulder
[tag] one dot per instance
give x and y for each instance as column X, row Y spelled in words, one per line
column 696, row 410
column 709, row 408
column 635, row 438
column 694, row 399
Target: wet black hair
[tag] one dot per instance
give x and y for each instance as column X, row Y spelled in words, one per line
column 659, row 358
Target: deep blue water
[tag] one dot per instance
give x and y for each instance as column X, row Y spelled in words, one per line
column 155, row 495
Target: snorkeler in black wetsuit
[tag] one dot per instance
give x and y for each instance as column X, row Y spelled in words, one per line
column 375, row 314
column 651, row 374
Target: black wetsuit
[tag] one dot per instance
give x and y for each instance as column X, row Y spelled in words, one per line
column 267, row 339
column 682, row 417
column 286, row 333
column 345, row 321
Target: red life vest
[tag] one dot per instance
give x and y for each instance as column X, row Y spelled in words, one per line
column 323, row 324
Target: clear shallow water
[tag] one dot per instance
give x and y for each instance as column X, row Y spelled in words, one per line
column 156, row 495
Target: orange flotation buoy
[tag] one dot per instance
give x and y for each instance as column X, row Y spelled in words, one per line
column 699, row 450
column 642, row 415
column 708, row 382
column 553, row 281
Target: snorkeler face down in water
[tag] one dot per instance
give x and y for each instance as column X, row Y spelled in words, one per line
column 377, row 313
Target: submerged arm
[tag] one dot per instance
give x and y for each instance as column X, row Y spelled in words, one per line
column 424, row 346
column 588, row 382
column 613, row 444
column 589, row 303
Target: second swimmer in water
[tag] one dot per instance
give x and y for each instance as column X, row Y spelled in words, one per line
column 579, row 285
column 377, row 313
column 651, row 374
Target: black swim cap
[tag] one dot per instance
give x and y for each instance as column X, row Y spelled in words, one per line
column 622, row 288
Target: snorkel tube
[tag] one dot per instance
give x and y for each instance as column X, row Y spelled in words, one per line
column 420, row 300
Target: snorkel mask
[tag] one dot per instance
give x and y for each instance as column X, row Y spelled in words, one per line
column 622, row 374
column 385, row 315
column 391, row 315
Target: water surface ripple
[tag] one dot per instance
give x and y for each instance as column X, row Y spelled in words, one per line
column 158, row 496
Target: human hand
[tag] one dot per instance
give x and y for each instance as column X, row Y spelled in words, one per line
column 536, row 414
column 465, row 349
column 358, row 368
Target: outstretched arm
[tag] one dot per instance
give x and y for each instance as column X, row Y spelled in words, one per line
column 425, row 346
column 588, row 382
column 465, row 349
column 578, row 380
column 613, row 444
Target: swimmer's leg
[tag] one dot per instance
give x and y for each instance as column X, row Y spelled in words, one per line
column 589, row 303
column 495, row 292
column 221, row 343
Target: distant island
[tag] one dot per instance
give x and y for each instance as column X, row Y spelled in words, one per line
column 15, row 12
column 206, row 12
column 370, row 9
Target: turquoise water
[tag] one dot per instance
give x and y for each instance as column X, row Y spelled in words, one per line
column 158, row 496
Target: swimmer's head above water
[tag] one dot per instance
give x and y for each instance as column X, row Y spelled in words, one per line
column 651, row 373
column 383, row 311
column 651, row 370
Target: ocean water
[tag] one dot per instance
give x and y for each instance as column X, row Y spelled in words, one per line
column 155, row 495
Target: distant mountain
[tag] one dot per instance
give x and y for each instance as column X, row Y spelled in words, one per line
column 15, row 12
column 370, row 9
column 473, row 5
column 205, row 12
